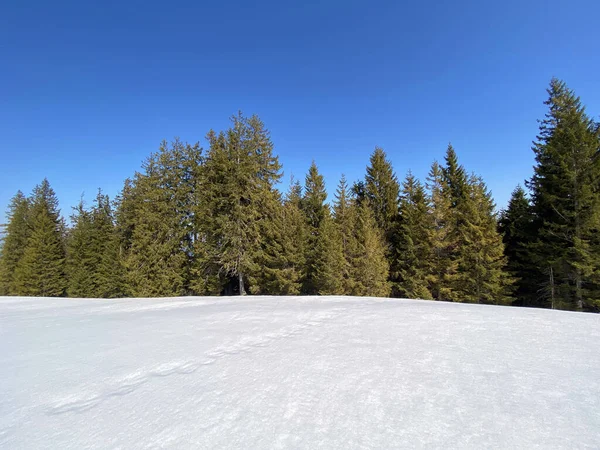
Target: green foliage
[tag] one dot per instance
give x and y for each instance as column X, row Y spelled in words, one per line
column 327, row 260
column 41, row 269
column 515, row 225
column 237, row 181
column 412, row 258
column 156, row 222
column 481, row 276
column 441, row 238
column 94, row 265
column 369, row 268
column 566, row 200
column 281, row 260
column 14, row 241
column 316, row 212
column 381, row 190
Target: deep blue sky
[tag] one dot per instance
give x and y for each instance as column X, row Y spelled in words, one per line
column 89, row 89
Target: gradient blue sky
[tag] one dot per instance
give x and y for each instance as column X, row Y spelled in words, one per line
column 89, row 89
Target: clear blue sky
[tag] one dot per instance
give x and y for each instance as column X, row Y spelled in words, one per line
column 89, row 89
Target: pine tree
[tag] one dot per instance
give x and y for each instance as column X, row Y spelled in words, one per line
column 412, row 256
column 369, row 267
column 515, row 225
column 443, row 241
column 382, row 190
column 14, row 241
column 566, row 200
column 239, row 177
column 41, row 269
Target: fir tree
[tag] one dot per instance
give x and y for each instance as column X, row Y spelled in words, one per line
column 327, row 259
column 382, row 190
column 345, row 218
column 239, row 177
column 481, row 276
column 412, row 257
column 369, row 267
column 13, row 242
column 41, row 269
column 81, row 256
column 442, row 264
column 156, row 222
column 566, row 200
column 515, row 225
column 316, row 212
column 281, row 261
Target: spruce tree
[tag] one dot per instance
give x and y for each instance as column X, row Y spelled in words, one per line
column 109, row 277
column 412, row 258
column 382, row 190
column 442, row 238
column 281, row 260
column 14, row 241
column 316, row 212
column 238, row 181
column 156, row 222
column 515, row 225
column 566, row 200
column 41, row 269
column 328, row 260
column 344, row 210
column 369, row 267
column 81, row 256
column 481, row 275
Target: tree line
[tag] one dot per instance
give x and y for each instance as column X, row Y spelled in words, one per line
column 210, row 222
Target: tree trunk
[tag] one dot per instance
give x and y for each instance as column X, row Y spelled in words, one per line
column 241, row 283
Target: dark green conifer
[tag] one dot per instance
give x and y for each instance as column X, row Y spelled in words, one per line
column 515, row 225
column 41, row 269
column 382, row 190
column 14, row 240
column 566, row 200
column 412, row 258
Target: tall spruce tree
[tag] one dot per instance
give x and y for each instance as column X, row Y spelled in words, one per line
column 41, row 269
column 327, row 259
column 566, row 200
column 81, row 256
column 481, row 276
column 515, row 225
column 369, row 267
column 281, row 259
column 156, row 222
column 14, row 241
column 382, row 190
column 238, row 183
column 316, row 212
column 443, row 265
column 344, row 210
column 412, row 258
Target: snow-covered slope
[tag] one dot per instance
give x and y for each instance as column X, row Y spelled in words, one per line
column 276, row 372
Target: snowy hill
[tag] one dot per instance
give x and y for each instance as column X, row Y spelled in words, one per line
column 276, row 372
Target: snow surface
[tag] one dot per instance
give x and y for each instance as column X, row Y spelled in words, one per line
column 295, row 372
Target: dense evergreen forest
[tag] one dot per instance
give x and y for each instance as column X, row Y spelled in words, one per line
column 210, row 222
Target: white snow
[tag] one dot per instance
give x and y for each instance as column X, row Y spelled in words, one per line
column 295, row 372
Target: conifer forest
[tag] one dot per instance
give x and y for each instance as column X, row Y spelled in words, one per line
column 212, row 221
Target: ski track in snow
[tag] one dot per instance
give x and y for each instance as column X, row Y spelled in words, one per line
column 295, row 372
